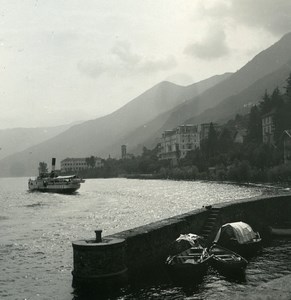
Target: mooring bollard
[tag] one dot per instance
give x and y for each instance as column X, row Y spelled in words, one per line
column 99, row 261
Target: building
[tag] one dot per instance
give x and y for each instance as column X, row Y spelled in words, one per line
column 204, row 130
column 168, row 145
column 78, row 164
column 187, row 139
column 240, row 136
column 176, row 143
column 287, row 146
column 123, row 151
column 124, row 154
column 268, row 127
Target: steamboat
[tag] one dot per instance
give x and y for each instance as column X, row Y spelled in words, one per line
column 51, row 182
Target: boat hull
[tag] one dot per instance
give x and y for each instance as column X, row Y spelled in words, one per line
column 187, row 265
column 226, row 261
column 50, row 186
column 246, row 250
column 276, row 231
column 240, row 238
column 188, row 272
column 69, row 190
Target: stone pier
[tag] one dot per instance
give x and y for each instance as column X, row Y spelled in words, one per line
column 148, row 245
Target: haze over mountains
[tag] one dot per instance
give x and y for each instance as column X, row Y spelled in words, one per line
column 141, row 122
column 18, row 139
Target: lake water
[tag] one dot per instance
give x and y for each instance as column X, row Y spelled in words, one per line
column 37, row 230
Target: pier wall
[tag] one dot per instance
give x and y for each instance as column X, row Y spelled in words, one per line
column 149, row 244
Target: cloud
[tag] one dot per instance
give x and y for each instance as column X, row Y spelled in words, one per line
column 92, row 69
column 123, row 60
column 211, row 47
column 224, row 19
column 156, row 65
column 123, row 51
column 273, row 16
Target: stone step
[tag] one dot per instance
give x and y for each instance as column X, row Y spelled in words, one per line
column 211, row 221
column 214, row 209
column 209, row 227
column 213, row 215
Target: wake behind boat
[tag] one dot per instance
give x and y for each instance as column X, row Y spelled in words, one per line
column 50, row 182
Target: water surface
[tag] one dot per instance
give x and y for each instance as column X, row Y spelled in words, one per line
column 36, row 229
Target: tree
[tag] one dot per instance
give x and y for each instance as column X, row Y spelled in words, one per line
column 254, row 133
column 42, row 168
column 265, row 105
column 288, row 88
column 287, row 107
column 91, row 161
column 211, row 141
column 225, row 141
column 276, row 99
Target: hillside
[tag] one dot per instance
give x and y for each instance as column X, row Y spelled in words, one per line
column 95, row 137
column 17, row 139
column 266, row 62
column 268, row 69
column 221, row 113
column 241, row 103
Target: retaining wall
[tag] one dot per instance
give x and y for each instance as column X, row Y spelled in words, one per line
column 148, row 245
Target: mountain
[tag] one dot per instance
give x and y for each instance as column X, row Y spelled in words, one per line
column 242, row 102
column 17, row 139
column 265, row 71
column 164, row 106
column 95, row 137
column 266, row 62
column 221, row 113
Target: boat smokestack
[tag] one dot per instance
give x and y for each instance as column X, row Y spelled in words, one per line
column 53, row 164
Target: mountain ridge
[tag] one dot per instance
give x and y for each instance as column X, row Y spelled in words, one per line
column 93, row 137
column 164, row 106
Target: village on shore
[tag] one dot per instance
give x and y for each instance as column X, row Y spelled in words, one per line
column 249, row 148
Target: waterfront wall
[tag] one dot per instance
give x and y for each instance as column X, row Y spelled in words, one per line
column 149, row 244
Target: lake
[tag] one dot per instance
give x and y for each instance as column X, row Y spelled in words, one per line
column 37, row 230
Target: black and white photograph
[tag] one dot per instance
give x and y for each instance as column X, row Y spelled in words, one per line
column 145, row 149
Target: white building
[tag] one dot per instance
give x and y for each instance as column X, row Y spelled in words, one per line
column 188, row 138
column 77, row 164
column 176, row 143
column 168, row 148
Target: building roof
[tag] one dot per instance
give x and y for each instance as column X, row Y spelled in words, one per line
column 77, row 158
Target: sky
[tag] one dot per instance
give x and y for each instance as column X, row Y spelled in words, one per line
column 63, row 61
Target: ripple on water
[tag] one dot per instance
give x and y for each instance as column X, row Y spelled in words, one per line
column 37, row 231
column 35, row 205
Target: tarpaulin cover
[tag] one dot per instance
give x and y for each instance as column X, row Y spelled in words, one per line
column 190, row 237
column 241, row 231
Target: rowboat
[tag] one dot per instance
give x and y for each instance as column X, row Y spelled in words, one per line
column 191, row 263
column 240, row 238
column 225, row 260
